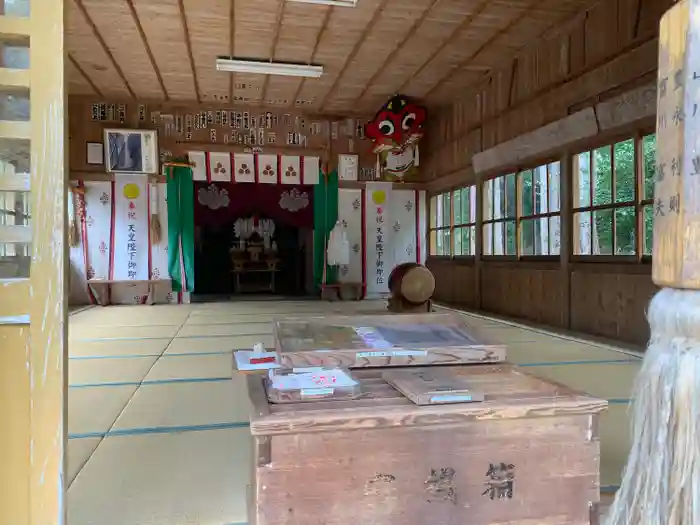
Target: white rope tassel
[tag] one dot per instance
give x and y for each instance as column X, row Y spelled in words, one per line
column 661, row 483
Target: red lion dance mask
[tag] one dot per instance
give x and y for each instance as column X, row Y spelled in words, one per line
column 398, row 124
column 395, row 131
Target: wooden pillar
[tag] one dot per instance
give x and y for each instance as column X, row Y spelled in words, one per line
column 566, row 229
column 661, row 484
column 32, row 306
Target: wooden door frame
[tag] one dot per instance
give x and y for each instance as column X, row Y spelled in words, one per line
column 33, row 310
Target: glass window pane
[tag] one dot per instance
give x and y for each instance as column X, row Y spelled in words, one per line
column 439, row 245
column 527, row 237
column 488, row 200
column 511, row 239
column 625, row 180
column 554, row 235
column 19, row 8
column 446, row 198
column 602, row 232
column 458, row 242
column 602, row 164
column 648, row 228
column 446, row 244
column 625, row 231
column 526, row 194
column 499, row 237
column 434, row 211
column 15, row 55
column 457, row 207
column 472, row 205
column 433, row 242
column 582, row 233
column 15, row 260
column 511, row 192
column 554, row 185
column 499, row 197
column 649, row 154
column 467, row 241
column 487, row 240
column 539, row 176
column 541, row 245
column 582, row 180
column 466, row 205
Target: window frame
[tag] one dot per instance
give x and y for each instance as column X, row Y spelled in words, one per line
column 518, row 218
column 451, row 226
column 639, row 202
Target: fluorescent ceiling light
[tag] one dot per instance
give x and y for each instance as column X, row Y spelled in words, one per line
column 268, row 68
column 339, row 3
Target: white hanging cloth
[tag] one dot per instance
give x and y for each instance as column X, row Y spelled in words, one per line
column 338, row 253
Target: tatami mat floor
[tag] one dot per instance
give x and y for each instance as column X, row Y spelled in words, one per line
column 158, row 427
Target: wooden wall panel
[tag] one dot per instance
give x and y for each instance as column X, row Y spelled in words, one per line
column 83, row 129
column 595, row 56
column 609, row 303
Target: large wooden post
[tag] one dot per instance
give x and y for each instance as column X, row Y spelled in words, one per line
column 661, row 483
column 32, row 293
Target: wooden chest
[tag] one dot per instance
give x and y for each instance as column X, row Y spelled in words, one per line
column 528, row 454
column 361, row 341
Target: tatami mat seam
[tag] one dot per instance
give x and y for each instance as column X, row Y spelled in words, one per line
column 120, row 412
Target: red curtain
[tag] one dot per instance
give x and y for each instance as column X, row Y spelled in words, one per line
column 290, row 205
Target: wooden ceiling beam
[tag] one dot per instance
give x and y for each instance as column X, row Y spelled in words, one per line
column 312, row 58
column 375, row 18
column 409, row 34
column 273, row 46
column 81, row 7
column 83, row 74
column 188, row 43
column 465, row 63
column 449, row 40
column 232, row 47
column 147, row 47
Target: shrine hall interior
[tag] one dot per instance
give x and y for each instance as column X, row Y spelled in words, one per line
column 214, row 146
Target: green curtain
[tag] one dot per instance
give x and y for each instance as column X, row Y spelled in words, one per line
column 325, row 217
column 180, row 192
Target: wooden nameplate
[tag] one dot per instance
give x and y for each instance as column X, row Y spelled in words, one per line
column 431, row 386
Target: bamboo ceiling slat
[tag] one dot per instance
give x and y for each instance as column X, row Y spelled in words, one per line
column 298, row 35
column 442, row 25
column 114, row 22
column 346, row 28
column 208, row 23
column 162, row 26
column 255, row 32
column 86, row 49
column 389, row 32
column 423, row 48
column 486, row 25
column 78, row 82
column 542, row 19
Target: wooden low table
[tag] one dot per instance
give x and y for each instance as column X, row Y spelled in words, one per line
column 528, row 454
column 270, row 286
column 101, row 288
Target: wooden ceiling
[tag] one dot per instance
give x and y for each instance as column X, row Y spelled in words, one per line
column 165, row 50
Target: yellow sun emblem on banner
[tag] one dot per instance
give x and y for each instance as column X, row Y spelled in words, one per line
column 379, row 197
column 131, row 191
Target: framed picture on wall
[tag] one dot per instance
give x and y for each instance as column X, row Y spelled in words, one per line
column 95, row 153
column 131, row 151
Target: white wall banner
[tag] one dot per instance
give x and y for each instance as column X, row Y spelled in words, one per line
column 198, row 159
column 130, row 236
column 422, row 227
column 219, row 165
column 350, row 216
column 402, row 237
column 378, row 228
column 98, row 221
